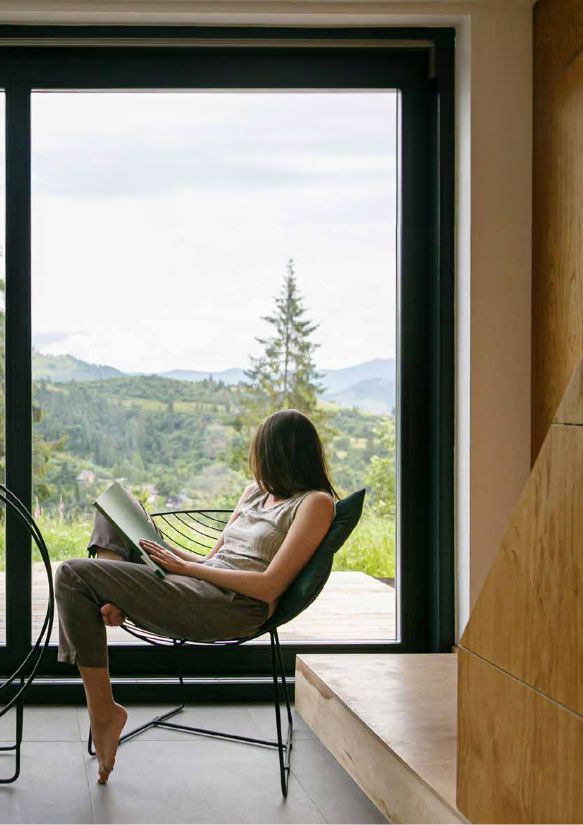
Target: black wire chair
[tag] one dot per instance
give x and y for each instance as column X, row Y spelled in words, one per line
column 197, row 531
column 20, row 681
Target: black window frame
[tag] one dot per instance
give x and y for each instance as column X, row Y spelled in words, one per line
column 419, row 63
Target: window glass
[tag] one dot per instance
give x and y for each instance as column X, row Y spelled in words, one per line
column 199, row 261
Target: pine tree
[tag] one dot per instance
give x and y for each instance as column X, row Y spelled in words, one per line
column 285, row 375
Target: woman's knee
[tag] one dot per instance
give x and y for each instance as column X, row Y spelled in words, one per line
column 64, row 580
column 69, row 571
column 70, row 566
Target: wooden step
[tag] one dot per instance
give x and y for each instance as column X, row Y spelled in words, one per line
column 390, row 720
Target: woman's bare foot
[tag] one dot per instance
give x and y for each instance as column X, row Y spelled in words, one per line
column 106, row 732
column 112, row 615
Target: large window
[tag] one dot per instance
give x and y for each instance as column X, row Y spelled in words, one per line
column 167, row 227
column 174, row 213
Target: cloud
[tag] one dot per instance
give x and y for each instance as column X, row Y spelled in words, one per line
column 46, row 340
column 209, row 142
column 162, row 224
column 99, row 169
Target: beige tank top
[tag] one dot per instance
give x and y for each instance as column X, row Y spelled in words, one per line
column 253, row 539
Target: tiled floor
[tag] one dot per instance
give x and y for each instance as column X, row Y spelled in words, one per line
column 167, row 776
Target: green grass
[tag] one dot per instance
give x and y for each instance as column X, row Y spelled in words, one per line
column 370, row 549
column 186, row 406
column 144, row 403
column 64, row 539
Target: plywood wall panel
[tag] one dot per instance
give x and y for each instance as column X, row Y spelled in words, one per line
column 519, row 754
column 528, row 618
column 571, row 407
column 520, row 674
column 557, row 288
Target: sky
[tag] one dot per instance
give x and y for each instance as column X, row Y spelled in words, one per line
column 163, row 223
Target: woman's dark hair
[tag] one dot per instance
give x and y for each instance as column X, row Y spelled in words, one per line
column 287, row 457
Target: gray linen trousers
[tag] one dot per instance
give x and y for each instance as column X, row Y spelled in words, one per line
column 177, row 606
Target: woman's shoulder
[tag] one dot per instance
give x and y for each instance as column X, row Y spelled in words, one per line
column 250, row 492
column 318, row 495
column 319, row 500
column 250, row 489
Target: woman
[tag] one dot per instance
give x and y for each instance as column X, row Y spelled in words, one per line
column 277, row 524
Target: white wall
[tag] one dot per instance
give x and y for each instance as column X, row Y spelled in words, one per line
column 493, row 232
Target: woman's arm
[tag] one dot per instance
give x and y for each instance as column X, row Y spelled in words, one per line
column 312, row 521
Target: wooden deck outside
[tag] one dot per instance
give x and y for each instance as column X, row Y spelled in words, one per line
column 352, row 607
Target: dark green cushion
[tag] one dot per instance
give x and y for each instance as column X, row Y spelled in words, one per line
column 312, row 578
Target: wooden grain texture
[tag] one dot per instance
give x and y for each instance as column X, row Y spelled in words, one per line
column 519, row 754
column 390, row 722
column 528, row 618
column 570, row 409
column 557, row 287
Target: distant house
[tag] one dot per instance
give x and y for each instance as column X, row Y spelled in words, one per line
column 86, row 477
column 173, row 502
column 151, row 491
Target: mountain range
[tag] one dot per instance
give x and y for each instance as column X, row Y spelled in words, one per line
column 369, row 386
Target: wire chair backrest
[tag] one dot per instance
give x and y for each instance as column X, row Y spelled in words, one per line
column 192, row 530
column 28, row 668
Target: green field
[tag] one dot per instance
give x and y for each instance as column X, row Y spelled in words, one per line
column 370, row 549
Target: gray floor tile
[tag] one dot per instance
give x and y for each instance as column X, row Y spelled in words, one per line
column 193, row 781
column 264, row 716
column 43, row 723
column 168, row 777
column 229, row 718
column 328, row 785
column 52, row 786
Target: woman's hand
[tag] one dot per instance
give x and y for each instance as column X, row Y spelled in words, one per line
column 165, row 558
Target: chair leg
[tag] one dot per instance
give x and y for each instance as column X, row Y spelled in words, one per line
column 157, row 721
column 284, row 748
column 17, row 745
column 284, row 683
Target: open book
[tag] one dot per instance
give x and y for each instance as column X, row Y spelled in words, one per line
column 123, row 510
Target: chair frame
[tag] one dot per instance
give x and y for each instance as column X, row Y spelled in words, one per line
column 172, row 529
column 283, row 743
column 19, row 680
